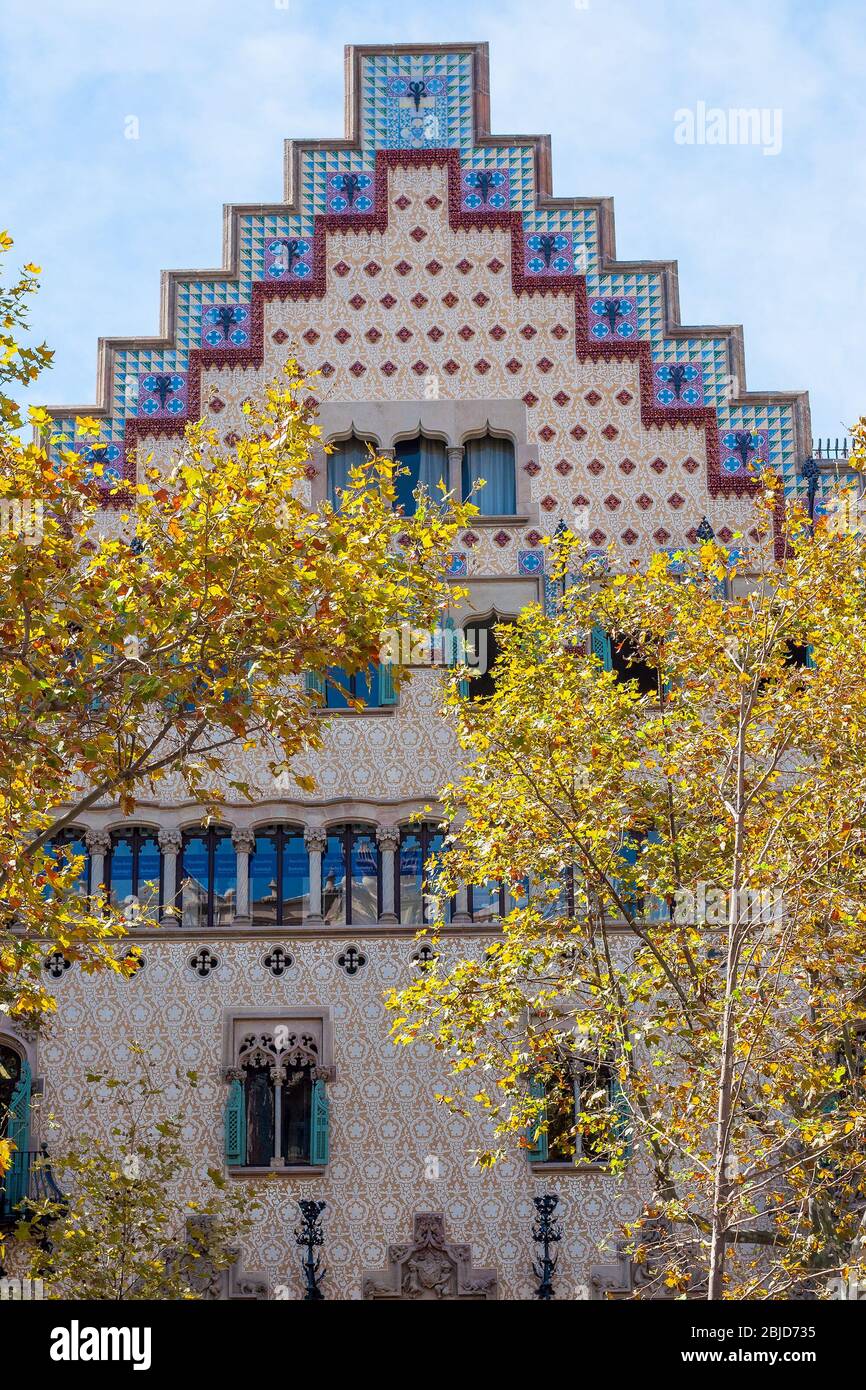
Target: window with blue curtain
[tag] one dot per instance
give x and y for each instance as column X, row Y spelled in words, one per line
column 68, row 845
column 427, row 464
column 348, row 454
column 279, row 877
column 351, row 875
column 208, row 887
column 492, row 459
column 414, row 882
column 133, row 871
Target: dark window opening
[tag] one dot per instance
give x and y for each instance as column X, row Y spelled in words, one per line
column 631, row 667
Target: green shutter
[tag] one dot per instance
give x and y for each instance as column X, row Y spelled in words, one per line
column 387, row 693
column 623, row 1126
column 450, row 656
column 236, row 1126
column 810, row 657
column 601, row 646
column 314, row 684
column 538, row 1151
column 319, row 1125
column 18, row 1130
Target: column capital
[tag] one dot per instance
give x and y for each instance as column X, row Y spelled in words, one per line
column 170, row 841
column 388, row 838
column 244, row 840
column 455, row 453
column 316, row 838
column 98, row 841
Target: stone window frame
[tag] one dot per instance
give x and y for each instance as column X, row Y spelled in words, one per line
column 453, row 422
column 320, row 1019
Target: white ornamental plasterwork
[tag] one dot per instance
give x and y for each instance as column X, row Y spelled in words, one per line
column 389, row 1139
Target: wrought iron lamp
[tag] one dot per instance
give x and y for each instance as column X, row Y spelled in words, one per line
column 546, row 1231
column 309, row 1235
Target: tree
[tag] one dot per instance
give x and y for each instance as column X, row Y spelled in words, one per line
column 123, row 1231
column 152, row 647
column 678, row 808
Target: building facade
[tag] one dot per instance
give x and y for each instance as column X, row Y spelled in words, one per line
column 465, row 318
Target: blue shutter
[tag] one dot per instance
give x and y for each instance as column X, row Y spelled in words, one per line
column 622, row 1126
column 538, row 1151
column 18, row 1130
column 387, row 693
column 601, row 647
column 236, row 1126
column 810, row 659
column 319, row 1125
column 314, row 684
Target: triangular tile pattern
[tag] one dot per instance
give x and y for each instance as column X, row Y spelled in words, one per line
column 442, row 117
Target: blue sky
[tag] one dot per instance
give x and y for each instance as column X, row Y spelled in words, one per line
column 773, row 242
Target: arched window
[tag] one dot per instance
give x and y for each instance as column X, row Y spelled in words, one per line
column 482, row 651
column 413, row 882
column 348, row 454
column 356, row 895
column 15, row 1086
column 133, row 871
column 427, row 462
column 279, row 877
column 70, row 844
column 208, row 879
column 492, row 459
column 281, row 1099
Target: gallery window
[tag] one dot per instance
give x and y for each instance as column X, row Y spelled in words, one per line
column 492, row 459
column 347, row 454
column 208, row 885
column 133, row 871
column 584, row 1112
column 277, row 1112
column 351, row 875
column 426, row 464
column 279, row 877
column 68, row 845
column 414, row 882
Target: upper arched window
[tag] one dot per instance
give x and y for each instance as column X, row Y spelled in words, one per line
column 414, row 881
column 492, row 459
column 279, row 877
column 68, row 845
column 133, row 872
column 351, row 875
column 426, row 465
column 348, row 454
column 208, row 878
column 482, row 653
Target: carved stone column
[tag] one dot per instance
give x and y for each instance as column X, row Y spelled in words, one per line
column 98, row 844
column 316, row 840
column 244, row 842
column 171, row 844
column 461, row 905
column 455, row 469
column 388, row 840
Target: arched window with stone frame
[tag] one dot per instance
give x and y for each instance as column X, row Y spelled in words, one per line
column 277, row 1111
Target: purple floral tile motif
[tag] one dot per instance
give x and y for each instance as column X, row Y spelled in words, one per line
column 225, row 325
column 289, row 258
column 485, row 188
column 612, row 316
column 108, row 453
column 549, row 253
column 351, row 192
column 742, row 450
column 458, row 565
column 678, row 383
column 530, row 562
column 162, row 395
